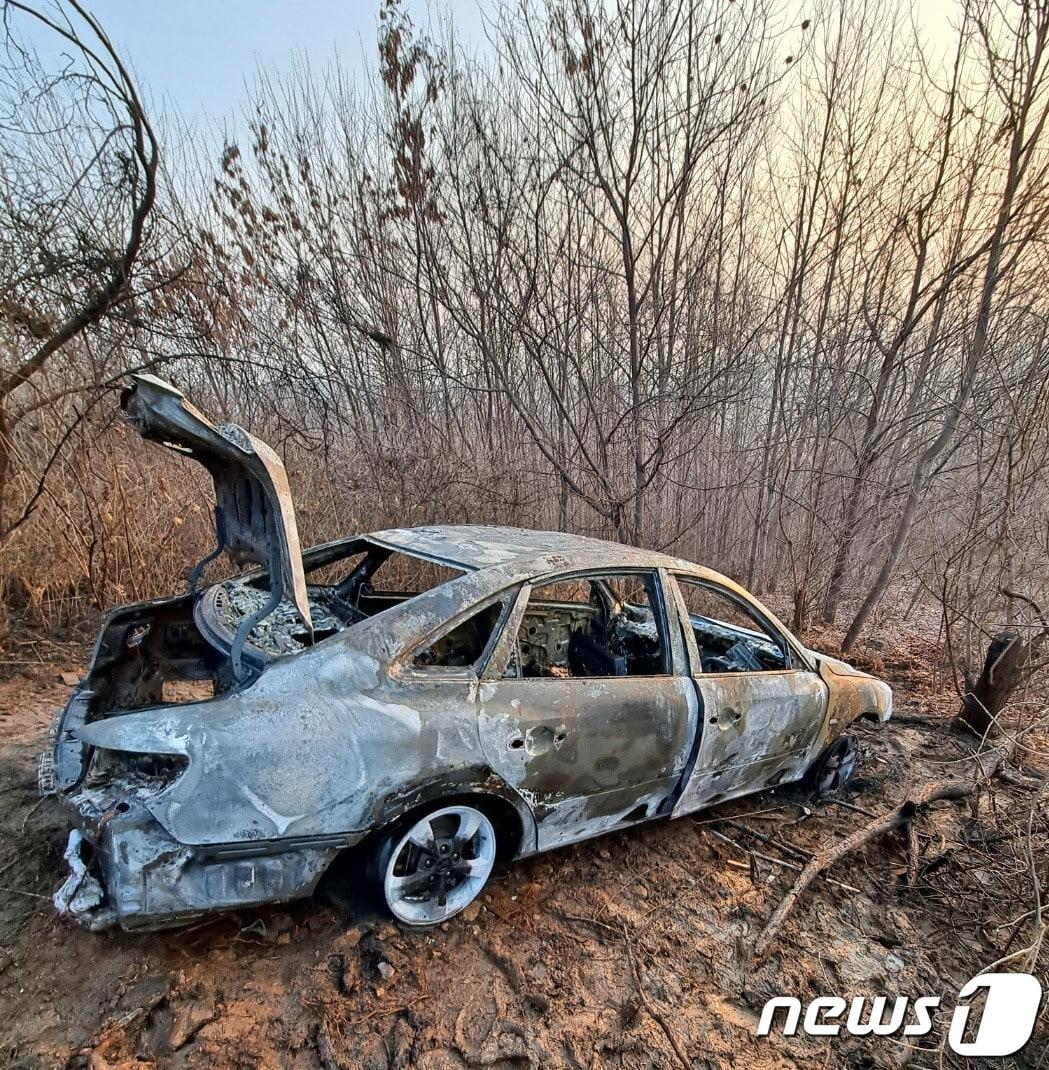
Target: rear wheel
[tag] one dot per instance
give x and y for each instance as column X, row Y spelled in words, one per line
column 436, row 865
column 837, row 764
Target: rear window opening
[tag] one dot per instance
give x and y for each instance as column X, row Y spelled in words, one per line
column 346, row 584
column 402, row 572
column 388, row 578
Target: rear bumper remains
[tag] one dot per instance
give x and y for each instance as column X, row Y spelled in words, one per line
column 81, row 895
column 131, row 873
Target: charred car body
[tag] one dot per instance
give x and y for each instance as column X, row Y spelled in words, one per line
column 542, row 689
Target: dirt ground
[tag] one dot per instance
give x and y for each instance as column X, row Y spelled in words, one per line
column 628, row 951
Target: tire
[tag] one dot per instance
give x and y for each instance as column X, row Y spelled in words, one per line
column 435, row 864
column 836, row 765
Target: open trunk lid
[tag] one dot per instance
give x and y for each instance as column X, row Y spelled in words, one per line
column 254, row 514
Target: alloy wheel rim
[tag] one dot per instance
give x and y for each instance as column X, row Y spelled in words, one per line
column 848, row 760
column 839, row 764
column 438, row 867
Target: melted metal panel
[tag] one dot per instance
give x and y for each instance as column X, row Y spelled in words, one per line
column 586, row 746
column 759, row 728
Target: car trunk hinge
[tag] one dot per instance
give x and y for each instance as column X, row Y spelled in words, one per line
column 248, row 624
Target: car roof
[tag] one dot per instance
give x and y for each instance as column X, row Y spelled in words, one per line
column 477, row 546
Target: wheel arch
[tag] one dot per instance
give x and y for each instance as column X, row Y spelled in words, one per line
column 483, row 788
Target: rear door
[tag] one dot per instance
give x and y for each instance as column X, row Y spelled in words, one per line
column 762, row 705
column 585, row 707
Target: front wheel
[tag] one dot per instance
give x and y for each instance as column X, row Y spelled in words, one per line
column 837, row 764
column 437, row 865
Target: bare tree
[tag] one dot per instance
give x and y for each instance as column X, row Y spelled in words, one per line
column 1015, row 66
column 762, row 291
column 77, row 187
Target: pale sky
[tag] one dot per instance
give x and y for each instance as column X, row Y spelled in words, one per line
column 197, row 55
column 199, row 52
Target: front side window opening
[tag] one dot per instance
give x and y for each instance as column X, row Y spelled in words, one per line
column 730, row 637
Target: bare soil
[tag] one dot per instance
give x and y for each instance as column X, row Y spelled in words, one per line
column 629, row 951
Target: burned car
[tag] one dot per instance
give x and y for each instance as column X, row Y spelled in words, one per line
column 429, row 699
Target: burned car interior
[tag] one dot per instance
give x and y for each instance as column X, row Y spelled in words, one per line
column 598, row 626
column 365, row 579
column 591, row 627
column 595, row 626
column 187, row 640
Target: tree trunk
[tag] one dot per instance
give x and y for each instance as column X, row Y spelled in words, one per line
column 1006, row 669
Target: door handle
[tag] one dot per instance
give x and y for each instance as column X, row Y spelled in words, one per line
column 730, row 716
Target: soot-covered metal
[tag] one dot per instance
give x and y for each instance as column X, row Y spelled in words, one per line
column 445, row 697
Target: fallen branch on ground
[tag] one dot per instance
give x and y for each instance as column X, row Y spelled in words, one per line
column 900, row 817
column 653, row 1011
column 775, row 861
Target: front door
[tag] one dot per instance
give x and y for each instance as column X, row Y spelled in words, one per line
column 581, row 709
column 762, row 706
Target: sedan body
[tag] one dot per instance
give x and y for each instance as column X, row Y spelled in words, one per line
column 431, row 698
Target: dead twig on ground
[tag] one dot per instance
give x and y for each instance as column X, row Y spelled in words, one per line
column 851, row 806
column 775, row 861
column 913, row 853
column 655, row 1014
column 22, row 891
column 770, row 841
column 919, row 720
column 892, row 821
column 386, row 1012
column 589, row 921
column 1018, row 780
column 29, row 813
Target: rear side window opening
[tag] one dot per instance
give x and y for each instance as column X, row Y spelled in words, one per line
column 464, row 645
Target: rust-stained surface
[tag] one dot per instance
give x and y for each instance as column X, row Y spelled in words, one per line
column 336, row 708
